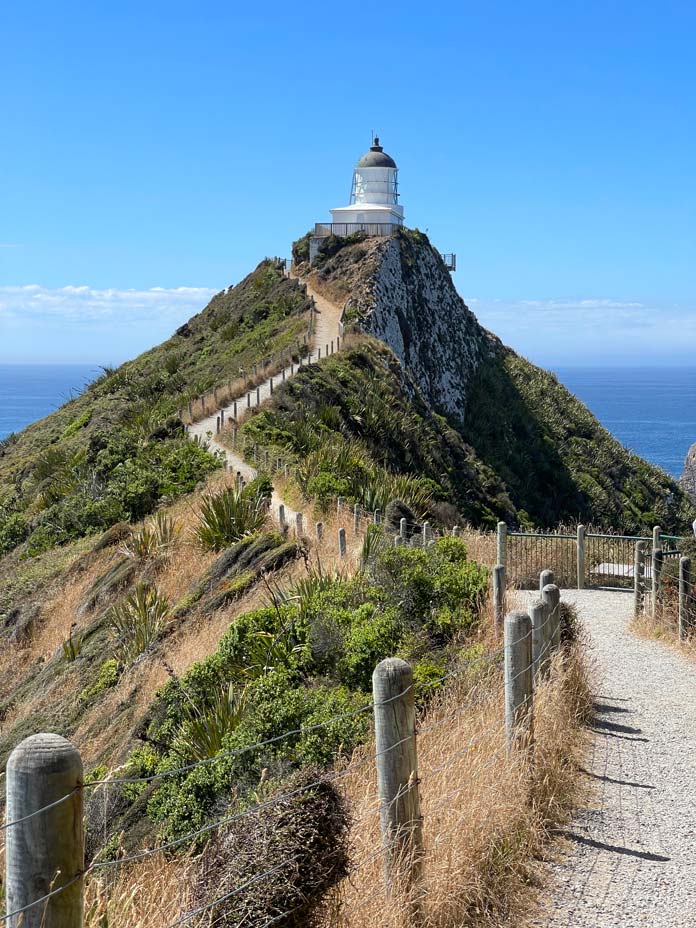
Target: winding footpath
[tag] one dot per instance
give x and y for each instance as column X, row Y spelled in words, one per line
column 327, row 316
column 629, row 857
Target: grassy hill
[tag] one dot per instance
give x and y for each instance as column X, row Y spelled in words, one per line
column 114, row 452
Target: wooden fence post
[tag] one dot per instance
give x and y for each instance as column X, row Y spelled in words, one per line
column 299, row 528
column 397, row 770
column 319, row 528
column 551, row 597
column 517, row 650
column 356, row 518
column 46, row 851
column 342, row 542
column 539, row 615
column 403, row 529
column 684, row 597
column 501, row 539
column 281, row 516
column 545, row 577
column 498, row 596
column 638, row 578
column 657, row 560
column 656, row 537
column 581, row 557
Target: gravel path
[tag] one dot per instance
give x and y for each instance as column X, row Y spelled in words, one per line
column 629, row 858
column 326, row 328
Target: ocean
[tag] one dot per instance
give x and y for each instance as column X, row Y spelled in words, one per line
column 31, row 391
column 650, row 410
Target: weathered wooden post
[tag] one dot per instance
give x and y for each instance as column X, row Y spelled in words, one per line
column 498, row 596
column 249, row 400
column 286, row 471
column 455, row 533
column 217, row 425
column 545, row 577
column 271, row 385
column 338, row 342
column 581, row 557
column 44, row 851
column 319, row 528
column 299, row 527
column 339, row 503
column 258, row 396
column 517, row 650
column 356, row 518
column 657, row 561
column 398, row 540
column 551, row 597
column 403, row 529
column 638, row 577
column 283, row 374
column 234, row 409
column 657, row 537
column 501, row 537
column 427, row 534
column 397, row 772
column 342, row 542
column 319, row 353
column 222, row 418
column 281, row 516
column 377, row 517
column 540, row 617
column 684, row 597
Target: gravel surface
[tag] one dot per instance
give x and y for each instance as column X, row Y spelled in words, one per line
column 629, row 857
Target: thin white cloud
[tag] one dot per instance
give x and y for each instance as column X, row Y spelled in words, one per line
column 83, row 304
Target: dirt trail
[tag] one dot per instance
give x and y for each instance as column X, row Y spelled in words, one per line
column 629, row 857
column 327, row 317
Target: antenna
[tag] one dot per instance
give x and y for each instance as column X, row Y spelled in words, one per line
column 372, row 135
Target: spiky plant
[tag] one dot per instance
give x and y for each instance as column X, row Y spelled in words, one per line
column 206, row 725
column 137, row 622
column 227, row 516
column 154, row 539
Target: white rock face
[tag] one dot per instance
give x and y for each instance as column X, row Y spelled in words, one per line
column 688, row 478
column 410, row 303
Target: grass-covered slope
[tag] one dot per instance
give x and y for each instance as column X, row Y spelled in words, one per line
column 527, row 451
column 113, row 452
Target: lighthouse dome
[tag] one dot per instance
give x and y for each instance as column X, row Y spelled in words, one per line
column 376, row 157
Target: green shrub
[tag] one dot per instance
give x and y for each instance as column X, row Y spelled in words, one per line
column 324, row 488
column 107, row 677
column 137, row 622
column 227, row 516
column 77, row 424
column 13, row 530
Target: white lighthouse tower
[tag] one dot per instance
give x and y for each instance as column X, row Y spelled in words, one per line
column 374, row 198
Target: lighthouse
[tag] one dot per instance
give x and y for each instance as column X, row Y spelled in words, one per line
column 374, row 201
column 374, row 196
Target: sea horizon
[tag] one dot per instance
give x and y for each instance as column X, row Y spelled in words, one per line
column 649, row 409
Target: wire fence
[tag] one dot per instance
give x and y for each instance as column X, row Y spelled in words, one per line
column 465, row 730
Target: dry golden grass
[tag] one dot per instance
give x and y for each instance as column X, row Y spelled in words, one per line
column 486, row 818
column 145, row 896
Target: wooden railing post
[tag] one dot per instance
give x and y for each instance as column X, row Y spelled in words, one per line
column 501, row 544
column 397, row 771
column 498, row 595
column 518, row 680
column 45, row 851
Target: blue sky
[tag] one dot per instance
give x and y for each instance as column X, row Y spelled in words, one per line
column 153, row 153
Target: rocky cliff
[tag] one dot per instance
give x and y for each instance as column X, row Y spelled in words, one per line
column 532, row 453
